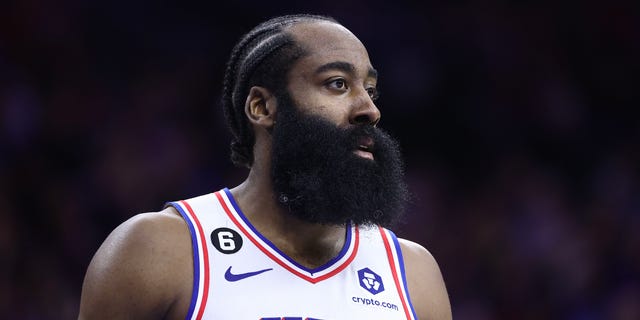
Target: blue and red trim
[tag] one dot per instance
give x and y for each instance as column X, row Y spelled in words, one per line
column 403, row 291
column 200, row 268
column 282, row 259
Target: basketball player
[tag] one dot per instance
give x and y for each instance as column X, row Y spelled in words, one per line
column 302, row 237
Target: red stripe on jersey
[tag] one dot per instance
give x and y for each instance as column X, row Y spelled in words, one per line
column 279, row 261
column 205, row 253
column 387, row 246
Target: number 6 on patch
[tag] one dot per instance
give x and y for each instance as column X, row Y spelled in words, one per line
column 226, row 240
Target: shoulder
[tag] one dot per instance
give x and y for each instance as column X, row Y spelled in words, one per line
column 426, row 285
column 140, row 270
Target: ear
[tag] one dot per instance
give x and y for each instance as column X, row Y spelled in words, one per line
column 260, row 107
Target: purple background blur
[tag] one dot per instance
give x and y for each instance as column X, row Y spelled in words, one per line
column 517, row 118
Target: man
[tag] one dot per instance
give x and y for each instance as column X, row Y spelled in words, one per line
column 301, row 237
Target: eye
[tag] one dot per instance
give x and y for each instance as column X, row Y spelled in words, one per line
column 373, row 93
column 339, row 84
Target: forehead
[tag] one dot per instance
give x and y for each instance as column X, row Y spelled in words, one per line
column 327, row 42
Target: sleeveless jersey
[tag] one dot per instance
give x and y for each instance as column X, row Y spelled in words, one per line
column 240, row 274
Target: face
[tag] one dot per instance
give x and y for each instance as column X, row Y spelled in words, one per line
column 329, row 162
column 335, row 80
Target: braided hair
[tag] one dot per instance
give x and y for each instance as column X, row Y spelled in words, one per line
column 262, row 57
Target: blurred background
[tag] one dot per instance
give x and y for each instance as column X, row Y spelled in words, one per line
column 517, row 118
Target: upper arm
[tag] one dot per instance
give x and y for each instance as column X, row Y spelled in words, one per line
column 135, row 273
column 426, row 285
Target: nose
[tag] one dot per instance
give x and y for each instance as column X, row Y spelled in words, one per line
column 364, row 111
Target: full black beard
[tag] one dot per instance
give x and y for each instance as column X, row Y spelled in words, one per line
column 318, row 178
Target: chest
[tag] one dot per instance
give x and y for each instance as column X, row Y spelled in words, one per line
column 252, row 286
column 238, row 274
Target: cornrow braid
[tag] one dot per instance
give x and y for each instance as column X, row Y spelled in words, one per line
column 262, row 57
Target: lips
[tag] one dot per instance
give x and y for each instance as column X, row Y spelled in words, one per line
column 365, row 148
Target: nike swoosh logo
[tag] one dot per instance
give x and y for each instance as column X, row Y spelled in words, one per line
column 239, row 276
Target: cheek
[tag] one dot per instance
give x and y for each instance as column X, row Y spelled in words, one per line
column 332, row 113
column 313, row 100
column 320, row 105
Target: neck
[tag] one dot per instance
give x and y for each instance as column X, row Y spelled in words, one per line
column 311, row 245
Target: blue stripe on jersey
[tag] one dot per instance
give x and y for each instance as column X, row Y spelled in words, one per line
column 396, row 243
column 196, row 259
column 330, row 263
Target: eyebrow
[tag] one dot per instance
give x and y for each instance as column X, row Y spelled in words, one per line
column 345, row 67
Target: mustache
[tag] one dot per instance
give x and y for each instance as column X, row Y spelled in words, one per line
column 346, row 138
column 355, row 136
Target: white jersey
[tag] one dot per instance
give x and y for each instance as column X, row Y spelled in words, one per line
column 240, row 274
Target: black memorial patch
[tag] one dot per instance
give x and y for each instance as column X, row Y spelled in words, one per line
column 226, row 240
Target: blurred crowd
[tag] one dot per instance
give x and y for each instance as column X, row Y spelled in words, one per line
column 517, row 119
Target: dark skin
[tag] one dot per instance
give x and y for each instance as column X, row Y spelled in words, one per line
column 144, row 268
